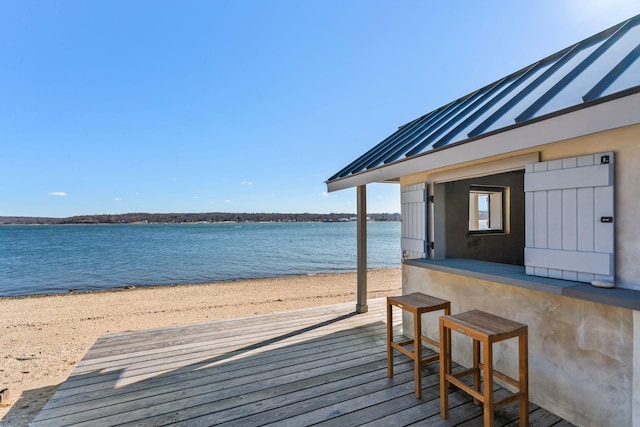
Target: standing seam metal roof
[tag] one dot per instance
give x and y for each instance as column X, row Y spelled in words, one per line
column 602, row 67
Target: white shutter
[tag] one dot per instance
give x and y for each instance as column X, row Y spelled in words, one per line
column 569, row 230
column 414, row 220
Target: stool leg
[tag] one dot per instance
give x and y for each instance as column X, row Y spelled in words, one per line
column 524, row 379
column 487, row 384
column 447, row 312
column 417, row 352
column 445, row 368
column 389, row 339
column 476, row 367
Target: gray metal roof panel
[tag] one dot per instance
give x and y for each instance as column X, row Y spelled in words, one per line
column 595, row 69
column 627, row 76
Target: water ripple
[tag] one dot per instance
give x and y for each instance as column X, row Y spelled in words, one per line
column 54, row 259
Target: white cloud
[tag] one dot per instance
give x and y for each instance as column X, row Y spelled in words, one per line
column 325, row 194
column 118, row 199
column 57, row 193
column 246, row 183
column 227, row 201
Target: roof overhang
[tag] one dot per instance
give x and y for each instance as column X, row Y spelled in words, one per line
column 604, row 116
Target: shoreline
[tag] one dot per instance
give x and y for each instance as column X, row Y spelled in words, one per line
column 122, row 288
column 45, row 336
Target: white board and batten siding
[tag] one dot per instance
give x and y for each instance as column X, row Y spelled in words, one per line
column 413, row 199
column 569, row 224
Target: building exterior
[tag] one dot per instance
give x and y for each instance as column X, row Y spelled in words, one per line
column 523, row 199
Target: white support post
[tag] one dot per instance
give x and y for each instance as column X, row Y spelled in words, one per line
column 361, row 305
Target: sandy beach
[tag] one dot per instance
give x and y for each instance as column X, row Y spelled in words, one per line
column 43, row 338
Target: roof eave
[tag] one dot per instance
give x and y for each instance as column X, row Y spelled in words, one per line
column 606, row 114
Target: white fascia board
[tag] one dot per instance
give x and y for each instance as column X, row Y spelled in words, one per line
column 602, row 117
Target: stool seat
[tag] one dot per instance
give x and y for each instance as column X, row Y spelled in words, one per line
column 486, row 325
column 484, row 329
column 416, row 303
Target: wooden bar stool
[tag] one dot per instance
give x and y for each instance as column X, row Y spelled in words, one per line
column 485, row 329
column 417, row 304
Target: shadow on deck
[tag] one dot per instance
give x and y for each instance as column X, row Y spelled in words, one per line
column 323, row 366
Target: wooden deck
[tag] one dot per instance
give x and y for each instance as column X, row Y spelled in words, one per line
column 323, row 366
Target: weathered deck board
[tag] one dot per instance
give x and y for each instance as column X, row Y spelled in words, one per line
column 304, row 353
column 317, row 366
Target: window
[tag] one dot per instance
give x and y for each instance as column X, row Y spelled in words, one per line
column 486, row 209
column 482, row 218
column 435, row 213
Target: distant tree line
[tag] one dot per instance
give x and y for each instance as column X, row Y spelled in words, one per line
column 179, row 218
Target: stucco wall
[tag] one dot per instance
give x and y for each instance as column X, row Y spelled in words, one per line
column 580, row 353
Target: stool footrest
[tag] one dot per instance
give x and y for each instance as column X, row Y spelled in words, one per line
column 462, row 386
column 424, row 339
column 464, row 373
column 503, row 377
column 430, row 359
column 506, row 400
column 399, row 346
column 430, row 341
column 401, row 349
column 453, row 379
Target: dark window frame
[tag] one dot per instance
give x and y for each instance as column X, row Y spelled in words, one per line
column 503, row 206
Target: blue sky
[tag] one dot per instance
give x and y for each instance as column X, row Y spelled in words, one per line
column 241, row 106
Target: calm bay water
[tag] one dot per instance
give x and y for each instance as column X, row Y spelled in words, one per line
column 58, row 258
